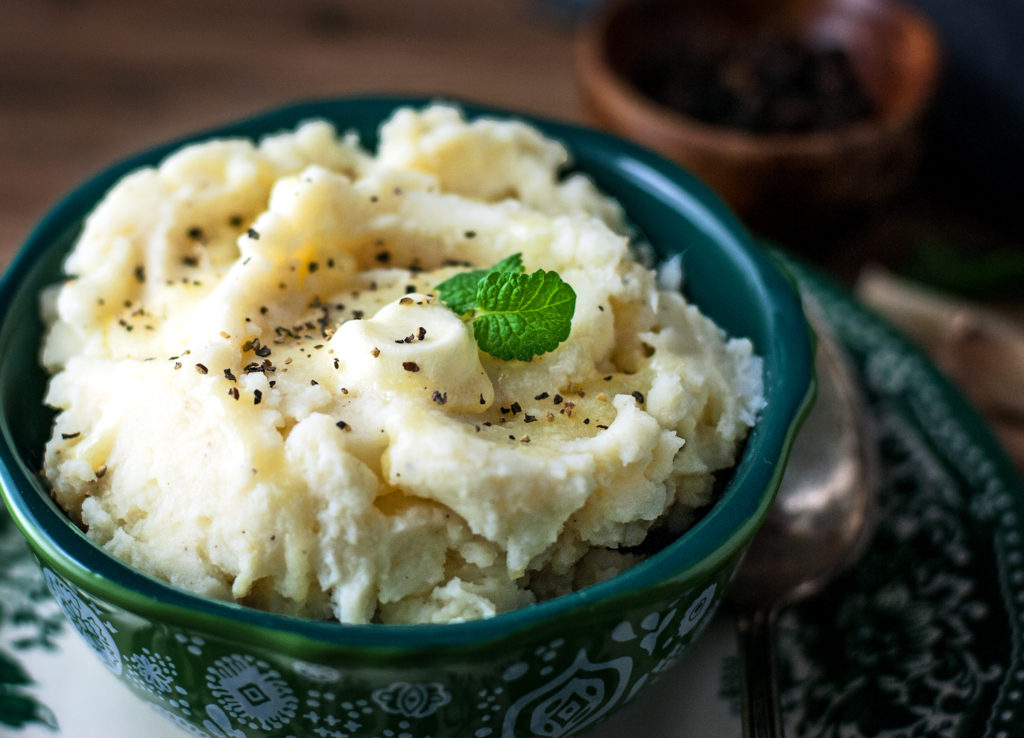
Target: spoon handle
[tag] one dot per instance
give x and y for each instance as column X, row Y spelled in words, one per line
column 761, row 718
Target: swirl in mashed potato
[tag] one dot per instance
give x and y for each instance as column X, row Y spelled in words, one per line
column 262, row 400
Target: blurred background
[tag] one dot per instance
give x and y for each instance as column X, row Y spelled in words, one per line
column 86, row 82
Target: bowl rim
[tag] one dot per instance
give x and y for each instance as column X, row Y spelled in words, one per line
column 599, row 80
column 64, row 548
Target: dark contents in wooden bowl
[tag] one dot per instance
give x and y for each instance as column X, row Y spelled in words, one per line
column 774, row 83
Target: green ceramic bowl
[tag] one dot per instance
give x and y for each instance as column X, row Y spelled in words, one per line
column 552, row 669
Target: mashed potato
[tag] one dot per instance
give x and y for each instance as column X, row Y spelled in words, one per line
column 262, row 399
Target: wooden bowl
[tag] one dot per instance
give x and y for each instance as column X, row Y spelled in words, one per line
column 772, row 180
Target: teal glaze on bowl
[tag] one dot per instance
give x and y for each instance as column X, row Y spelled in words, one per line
column 551, row 669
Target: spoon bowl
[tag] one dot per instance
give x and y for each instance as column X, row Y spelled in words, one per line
column 821, row 518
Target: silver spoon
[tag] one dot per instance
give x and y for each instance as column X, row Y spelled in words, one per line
column 818, row 526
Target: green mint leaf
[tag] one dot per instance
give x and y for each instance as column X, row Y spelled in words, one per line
column 510, row 264
column 514, row 315
column 520, row 316
column 459, row 292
